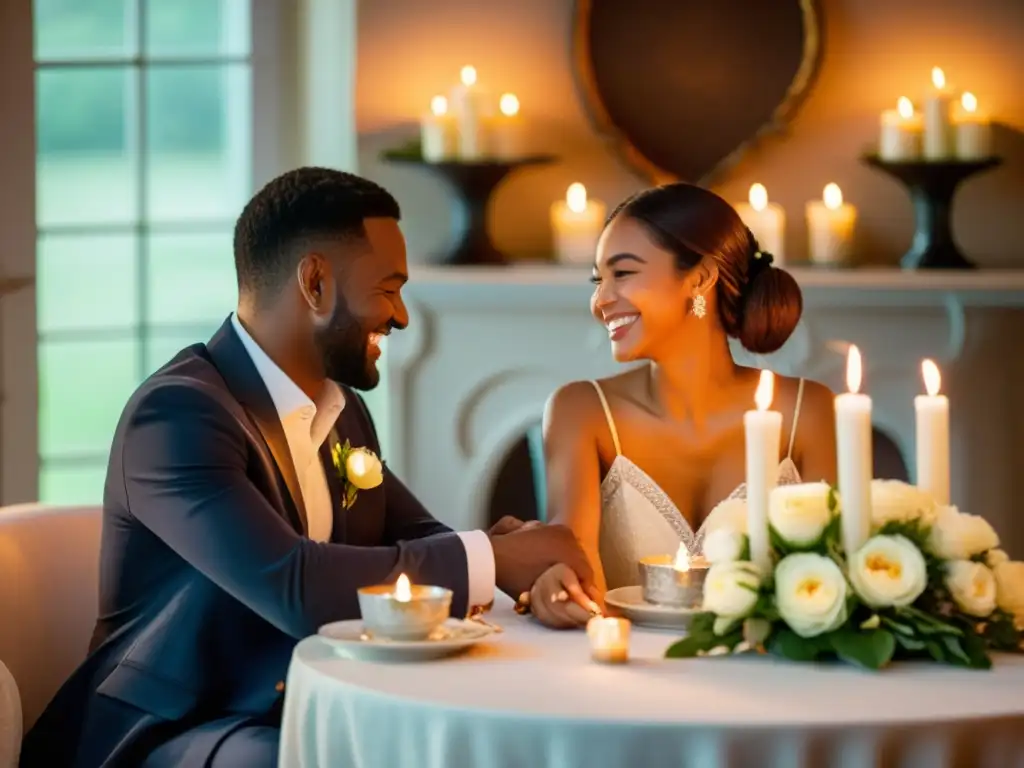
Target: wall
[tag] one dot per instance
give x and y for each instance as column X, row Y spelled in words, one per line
column 874, row 52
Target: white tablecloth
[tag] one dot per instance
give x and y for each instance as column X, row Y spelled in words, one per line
column 533, row 698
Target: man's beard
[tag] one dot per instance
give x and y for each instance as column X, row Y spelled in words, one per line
column 344, row 347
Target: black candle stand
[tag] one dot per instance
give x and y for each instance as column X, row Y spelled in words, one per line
column 473, row 181
column 932, row 185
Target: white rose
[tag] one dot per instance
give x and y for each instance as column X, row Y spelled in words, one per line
column 888, row 570
column 723, row 545
column 810, row 592
column 958, row 536
column 995, row 557
column 799, row 513
column 894, row 500
column 973, row 587
column 363, row 469
column 731, row 514
column 1010, row 588
column 730, row 589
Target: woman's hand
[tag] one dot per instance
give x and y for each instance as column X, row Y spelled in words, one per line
column 558, row 600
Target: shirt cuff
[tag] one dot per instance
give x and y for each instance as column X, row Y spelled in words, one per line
column 480, row 563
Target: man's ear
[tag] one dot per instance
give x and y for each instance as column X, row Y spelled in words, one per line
column 316, row 283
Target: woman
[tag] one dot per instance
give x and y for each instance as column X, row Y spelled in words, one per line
column 637, row 461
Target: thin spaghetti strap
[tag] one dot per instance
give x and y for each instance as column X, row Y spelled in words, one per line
column 608, row 418
column 796, row 417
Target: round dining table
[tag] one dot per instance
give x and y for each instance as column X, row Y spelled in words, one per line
column 529, row 697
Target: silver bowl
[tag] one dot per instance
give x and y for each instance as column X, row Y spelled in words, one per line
column 386, row 617
column 663, row 584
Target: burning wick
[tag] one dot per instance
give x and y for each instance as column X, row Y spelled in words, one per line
column 403, row 590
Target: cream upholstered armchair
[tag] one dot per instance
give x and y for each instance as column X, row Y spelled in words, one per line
column 49, row 576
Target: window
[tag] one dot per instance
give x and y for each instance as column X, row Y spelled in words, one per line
column 144, row 160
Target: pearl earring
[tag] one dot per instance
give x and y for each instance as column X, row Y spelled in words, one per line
column 700, row 306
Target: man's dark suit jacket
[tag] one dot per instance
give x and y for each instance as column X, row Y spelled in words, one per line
column 206, row 579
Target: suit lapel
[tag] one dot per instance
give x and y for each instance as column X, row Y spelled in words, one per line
column 340, row 530
column 244, row 381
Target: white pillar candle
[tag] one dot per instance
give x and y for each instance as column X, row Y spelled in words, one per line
column 762, row 434
column 938, row 126
column 437, row 132
column 932, row 436
column 854, row 456
column 469, row 103
column 576, row 223
column 830, row 225
column 507, row 129
column 973, row 130
column 766, row 220
column 900, row 140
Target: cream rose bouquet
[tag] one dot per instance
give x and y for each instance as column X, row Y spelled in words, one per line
column 930, row 582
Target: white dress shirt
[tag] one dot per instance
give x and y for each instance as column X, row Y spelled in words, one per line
column 306, row 425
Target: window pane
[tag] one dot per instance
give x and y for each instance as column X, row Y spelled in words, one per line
column 83, row 387
column 199, row 126
column 197, row 28
column 86, row 281
column 191, row 278
column 162, row 346
column 68, row 29
column 77, row 484
column 85, row 162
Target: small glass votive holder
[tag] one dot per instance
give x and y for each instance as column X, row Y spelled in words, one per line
column 609, row 639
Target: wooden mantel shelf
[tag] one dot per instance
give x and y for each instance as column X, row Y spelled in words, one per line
column 533, row 285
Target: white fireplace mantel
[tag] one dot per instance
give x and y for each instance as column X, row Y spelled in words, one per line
column 487, row 346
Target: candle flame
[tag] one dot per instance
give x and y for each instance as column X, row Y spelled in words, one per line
column 854, row 369
column 969, row 102
column 439, row 105
column 576, row 197
column 765, row 390
column 403, row 589
column 833, row 197
column 905, row 107
column 468, row 75
column 932, row 377
column 938, row 78
column 682, row 562
column 758, row 197
column 509, row 104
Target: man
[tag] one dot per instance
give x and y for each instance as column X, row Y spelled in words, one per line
column 226, row 536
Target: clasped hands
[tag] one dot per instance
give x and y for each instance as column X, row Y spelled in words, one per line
column 545, row 562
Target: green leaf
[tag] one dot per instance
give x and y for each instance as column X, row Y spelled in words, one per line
column 954, row 652
column 977, row 653
column 702, row 623
column 687, row 648
column 871, row 650
column 898, row 627
column 787, row 644
column 909, row 643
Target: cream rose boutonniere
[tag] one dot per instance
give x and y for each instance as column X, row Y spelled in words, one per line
column 359, row 470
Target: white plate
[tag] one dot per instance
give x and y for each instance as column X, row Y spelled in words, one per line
column 455, row 635
column 629, row 601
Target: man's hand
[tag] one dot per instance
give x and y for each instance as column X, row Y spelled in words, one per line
column 508, row 524
column 521, row 556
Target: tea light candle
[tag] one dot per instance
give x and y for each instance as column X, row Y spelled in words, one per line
column 973, row 130
column 853, row 447
column 403, row 611
column 468, row 103
column 576, row 223
column 437, row 132
column 900, row 140
column 932, row 436
column 508, row 129
column 938, row 128
column 762, row 436
column 830, row 225
column 674, row 581
column 609, row 639
column 766, row 220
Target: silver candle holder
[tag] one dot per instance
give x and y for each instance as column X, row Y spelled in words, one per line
column 403, row 611
column 667, row 582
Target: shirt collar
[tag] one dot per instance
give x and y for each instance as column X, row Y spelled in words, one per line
column 288, row 398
